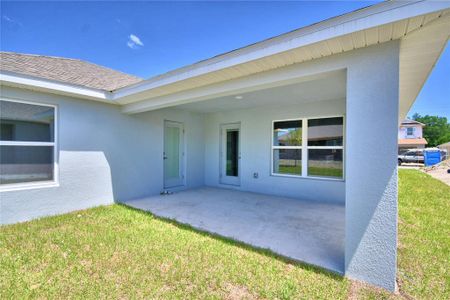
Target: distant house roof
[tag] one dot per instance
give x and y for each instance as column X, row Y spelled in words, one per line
column 68, row 70
column 408, row 142
column 411, row 122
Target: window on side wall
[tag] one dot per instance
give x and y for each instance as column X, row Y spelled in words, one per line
column 308, row 147
column 27, row 143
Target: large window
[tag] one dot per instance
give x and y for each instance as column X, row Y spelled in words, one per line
column 308, row 147
column 27, row 143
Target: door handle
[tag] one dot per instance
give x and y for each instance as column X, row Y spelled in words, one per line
column 164, row 157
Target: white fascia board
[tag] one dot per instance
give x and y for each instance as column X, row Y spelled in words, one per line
column 40, row 84
column 377, row 15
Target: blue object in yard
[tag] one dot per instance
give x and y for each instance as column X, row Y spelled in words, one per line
column 432, row 157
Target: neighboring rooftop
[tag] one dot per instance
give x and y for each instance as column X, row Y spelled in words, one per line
column 411, row 122
column 68, row 70
column 407, row 142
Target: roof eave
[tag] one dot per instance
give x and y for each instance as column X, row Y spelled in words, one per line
column 373, row 16
column 39, row 84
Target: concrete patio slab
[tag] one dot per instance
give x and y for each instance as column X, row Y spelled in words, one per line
column 303, row 231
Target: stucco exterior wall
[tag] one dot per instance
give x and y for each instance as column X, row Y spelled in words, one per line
column 104, row 156
column 256, row 141
column 371, row 169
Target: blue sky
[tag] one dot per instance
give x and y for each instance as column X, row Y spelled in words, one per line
column 150, row 38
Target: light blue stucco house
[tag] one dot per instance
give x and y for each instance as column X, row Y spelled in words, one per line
column 310, row 116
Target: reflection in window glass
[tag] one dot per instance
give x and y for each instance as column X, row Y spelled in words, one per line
column 325, row 163
column 287, row 133
column 325, row 132
column 34, row 126
column 232, row 153
column 287, row 161
column 26, row 122
column 26, row 164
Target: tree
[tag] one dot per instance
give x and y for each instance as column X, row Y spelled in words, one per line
column 294, row 138
column 436, row 130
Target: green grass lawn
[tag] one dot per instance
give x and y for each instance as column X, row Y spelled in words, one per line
column 312, row 171
column 117, row 252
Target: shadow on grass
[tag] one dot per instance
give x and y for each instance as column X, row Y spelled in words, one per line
column 229, row 241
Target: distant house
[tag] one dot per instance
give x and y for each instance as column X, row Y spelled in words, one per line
column 410, row 136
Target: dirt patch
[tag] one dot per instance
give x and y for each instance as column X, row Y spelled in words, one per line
column 360, row 290
column 439, row 171
column 235, row 292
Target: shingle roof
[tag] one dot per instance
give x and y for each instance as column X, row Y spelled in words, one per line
column 421, row 141
column 73, row 71
column 411, row 122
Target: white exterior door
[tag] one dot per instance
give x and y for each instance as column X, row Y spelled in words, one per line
column 230, row 154
column 173, row 154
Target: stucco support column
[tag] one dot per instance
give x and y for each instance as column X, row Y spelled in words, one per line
column 371, row 166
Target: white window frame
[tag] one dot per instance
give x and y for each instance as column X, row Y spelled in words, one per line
column 304, row 148
column 54, row 144
column 272, row 172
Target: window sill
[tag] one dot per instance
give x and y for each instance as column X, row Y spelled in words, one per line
column 28, row 186
column 308, row 177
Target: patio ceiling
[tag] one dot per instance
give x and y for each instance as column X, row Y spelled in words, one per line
column 331, row 86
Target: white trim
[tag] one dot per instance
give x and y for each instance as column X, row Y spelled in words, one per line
column 28, row 186
column 54, row 144
column 19, row 143
column 286, row 147
column 307, row 177
column 305, row 148
column 38, row 83
column 273, row 147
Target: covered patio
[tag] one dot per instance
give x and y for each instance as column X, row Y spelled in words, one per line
column 306, row 231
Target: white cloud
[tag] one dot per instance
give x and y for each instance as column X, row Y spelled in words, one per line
column 134, row 42
column 11, row 21
column 8, row 19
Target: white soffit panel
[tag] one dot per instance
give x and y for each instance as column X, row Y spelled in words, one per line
column 419, row 53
